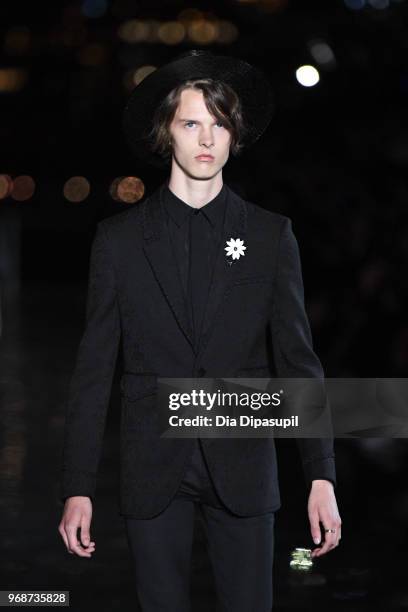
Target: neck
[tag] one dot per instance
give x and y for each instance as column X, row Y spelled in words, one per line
column 195, row 192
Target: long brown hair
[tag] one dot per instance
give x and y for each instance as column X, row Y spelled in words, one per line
column 222, row 102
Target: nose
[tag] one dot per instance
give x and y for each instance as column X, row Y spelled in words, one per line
column 206, row 137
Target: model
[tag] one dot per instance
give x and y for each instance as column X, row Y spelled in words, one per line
column 194, row 281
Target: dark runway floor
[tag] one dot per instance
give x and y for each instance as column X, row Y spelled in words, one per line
column 40, row 337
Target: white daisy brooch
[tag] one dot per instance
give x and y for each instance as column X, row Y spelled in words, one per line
column 235, row 248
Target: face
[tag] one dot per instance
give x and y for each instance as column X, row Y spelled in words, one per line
column 195, row 132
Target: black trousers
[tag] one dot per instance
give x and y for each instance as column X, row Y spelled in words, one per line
column 240, row 550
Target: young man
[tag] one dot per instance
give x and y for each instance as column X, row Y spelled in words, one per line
column 165, row 285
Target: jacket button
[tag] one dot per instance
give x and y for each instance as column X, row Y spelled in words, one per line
column 201, row 371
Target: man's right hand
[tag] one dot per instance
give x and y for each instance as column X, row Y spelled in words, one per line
column 77, row 514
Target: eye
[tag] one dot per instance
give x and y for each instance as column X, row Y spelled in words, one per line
column 188, row 123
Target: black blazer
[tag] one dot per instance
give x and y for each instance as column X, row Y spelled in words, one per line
column 254, row 325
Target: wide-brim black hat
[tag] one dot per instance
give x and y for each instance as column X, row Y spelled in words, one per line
column 248, row 82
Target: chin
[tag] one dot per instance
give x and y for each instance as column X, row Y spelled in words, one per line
column 202, row 172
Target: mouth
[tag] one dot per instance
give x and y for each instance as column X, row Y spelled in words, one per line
column 205, row 158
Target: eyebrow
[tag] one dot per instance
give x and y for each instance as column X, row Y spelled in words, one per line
column 195, row 120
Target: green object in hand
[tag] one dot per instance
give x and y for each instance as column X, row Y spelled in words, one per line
column 301, row 559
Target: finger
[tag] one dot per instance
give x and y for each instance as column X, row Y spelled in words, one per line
column 88, row 549
column 61, row 529
column 328, row 544
column 315, row 527
column 332, row 539
column 337, row 533
column 74, row 543
column 338, row 536
column 85, row 535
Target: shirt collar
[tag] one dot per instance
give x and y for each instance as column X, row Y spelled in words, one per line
column 179, row 210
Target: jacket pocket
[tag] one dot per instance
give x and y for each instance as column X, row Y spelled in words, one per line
column 136, row 386
column 246, row 280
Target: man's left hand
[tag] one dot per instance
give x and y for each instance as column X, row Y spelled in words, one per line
column 322, row 508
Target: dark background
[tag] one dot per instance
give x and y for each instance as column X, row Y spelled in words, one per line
column 334, row 159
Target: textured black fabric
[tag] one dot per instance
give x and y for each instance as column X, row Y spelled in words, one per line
column 255, row 324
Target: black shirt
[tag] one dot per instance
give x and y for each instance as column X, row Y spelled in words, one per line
column 195, row 234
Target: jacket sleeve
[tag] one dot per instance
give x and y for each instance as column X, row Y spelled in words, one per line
column 293, row 349
column 91, row 381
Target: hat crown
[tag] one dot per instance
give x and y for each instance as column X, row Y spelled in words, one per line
column 194, row 53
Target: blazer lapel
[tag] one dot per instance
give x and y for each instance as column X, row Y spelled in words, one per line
column 158, row 249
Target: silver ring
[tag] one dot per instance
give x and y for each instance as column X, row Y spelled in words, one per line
column 330, row 531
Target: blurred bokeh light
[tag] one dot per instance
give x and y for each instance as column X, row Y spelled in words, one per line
column 128, row 189
column 17, row 40
column 76, row 189
column 6, row 186
column 171, row 32
column 23, row 188
column 133, row 31
column 134, row 77
column 12, row 79
column 307, row 76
